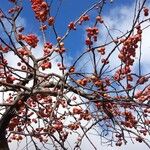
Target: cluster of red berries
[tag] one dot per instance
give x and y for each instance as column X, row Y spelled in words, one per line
column 85, row 115
column 71, row 26
column 51, row 21
column 13, row 10
column 139, row 139
column 4, row 49
column 143, row 96
column 101, row 50
column 91, row 35
column 82, row 114
column 30, row 39
column 142, row 80
column 84, row 18
column 10, row 79
column 61, row 49
column 23, row 52
column 146, row 11
column 128, row 50
column 73, row 126
column 47, row 48
column 46, row 65
column 130, row 120
column 99, row 19
column 40, row 8
column 127, row 55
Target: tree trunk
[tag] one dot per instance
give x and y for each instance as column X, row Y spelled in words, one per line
column 3, row 143
column 4, row 122
column 3, row 125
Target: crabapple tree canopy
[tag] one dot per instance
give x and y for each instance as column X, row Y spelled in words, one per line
column 51, row 93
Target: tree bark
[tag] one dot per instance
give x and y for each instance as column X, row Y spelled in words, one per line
column 5, row 119
column 3, row 142
column 3, row 125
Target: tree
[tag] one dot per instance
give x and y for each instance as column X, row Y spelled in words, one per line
column 50, row 100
